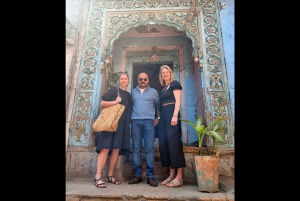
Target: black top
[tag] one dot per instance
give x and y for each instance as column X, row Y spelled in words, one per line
column 112, row 94
column 121, row 138
column 167, row 95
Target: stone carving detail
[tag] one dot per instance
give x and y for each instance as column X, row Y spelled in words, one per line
column 215, row 98
column 143, row 4
column 81, row 120
column 214, row 66
column 219, row 108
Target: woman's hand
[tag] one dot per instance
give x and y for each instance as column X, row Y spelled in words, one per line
column 174, row 121
column 118, row 99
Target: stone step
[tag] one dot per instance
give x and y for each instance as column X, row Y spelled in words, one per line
column 82, row 163
column 85, row 190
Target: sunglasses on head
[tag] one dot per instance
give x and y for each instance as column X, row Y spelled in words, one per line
column 141, row 79
column 122, row 72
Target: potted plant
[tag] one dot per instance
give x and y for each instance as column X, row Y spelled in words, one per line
column 206, row 166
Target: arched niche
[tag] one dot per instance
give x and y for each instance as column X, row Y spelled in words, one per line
column 112, row 33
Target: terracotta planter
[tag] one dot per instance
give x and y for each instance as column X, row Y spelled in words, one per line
column 206, row 168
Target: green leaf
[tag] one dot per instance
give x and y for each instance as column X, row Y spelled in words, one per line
column 199, row 121
column 217, row 125
column 215, row 121
column 217, row 136
column 188, row 122
column 199, row 129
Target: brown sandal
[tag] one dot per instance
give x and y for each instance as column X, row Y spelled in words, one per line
column 101, row 185
column 175, row 184
column 111, row 178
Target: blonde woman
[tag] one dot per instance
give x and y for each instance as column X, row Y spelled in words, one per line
column 169, row 135
column 114, row 143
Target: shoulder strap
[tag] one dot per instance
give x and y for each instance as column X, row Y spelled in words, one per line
column 118, row 91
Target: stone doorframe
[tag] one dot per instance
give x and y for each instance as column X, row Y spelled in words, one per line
column 108, row 19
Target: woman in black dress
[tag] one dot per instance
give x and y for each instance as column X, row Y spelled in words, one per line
column 114, row 143
column 169, row 135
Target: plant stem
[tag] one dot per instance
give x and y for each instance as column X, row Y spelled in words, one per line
column 213, row 147
column 200, row 144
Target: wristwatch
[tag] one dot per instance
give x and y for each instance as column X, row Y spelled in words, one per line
column 158, row 117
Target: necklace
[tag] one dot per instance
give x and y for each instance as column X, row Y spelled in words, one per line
column 165, row 88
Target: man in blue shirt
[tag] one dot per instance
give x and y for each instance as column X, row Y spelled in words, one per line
column 145, row 115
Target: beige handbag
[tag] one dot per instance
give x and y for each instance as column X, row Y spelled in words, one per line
column 109, row 117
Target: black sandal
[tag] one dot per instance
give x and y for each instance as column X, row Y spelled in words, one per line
column 110, row 179
column 101, row 185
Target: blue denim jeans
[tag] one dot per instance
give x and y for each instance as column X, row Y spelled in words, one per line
column 143, row 128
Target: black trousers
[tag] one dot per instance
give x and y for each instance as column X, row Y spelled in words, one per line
column 170, row 143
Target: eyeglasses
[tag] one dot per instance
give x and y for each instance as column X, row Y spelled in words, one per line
column 141, row 79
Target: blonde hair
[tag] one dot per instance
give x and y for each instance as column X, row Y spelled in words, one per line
column 122, row 73
column 161, row 80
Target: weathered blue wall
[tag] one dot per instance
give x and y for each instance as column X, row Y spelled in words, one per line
column 227, row 24
column 190, row 91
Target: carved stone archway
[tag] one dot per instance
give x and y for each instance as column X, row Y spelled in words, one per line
column 127, row 20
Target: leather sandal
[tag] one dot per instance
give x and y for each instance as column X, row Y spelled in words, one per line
column 175, row 184
column 111, row 178
column 101, row 185
column 167, row 180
